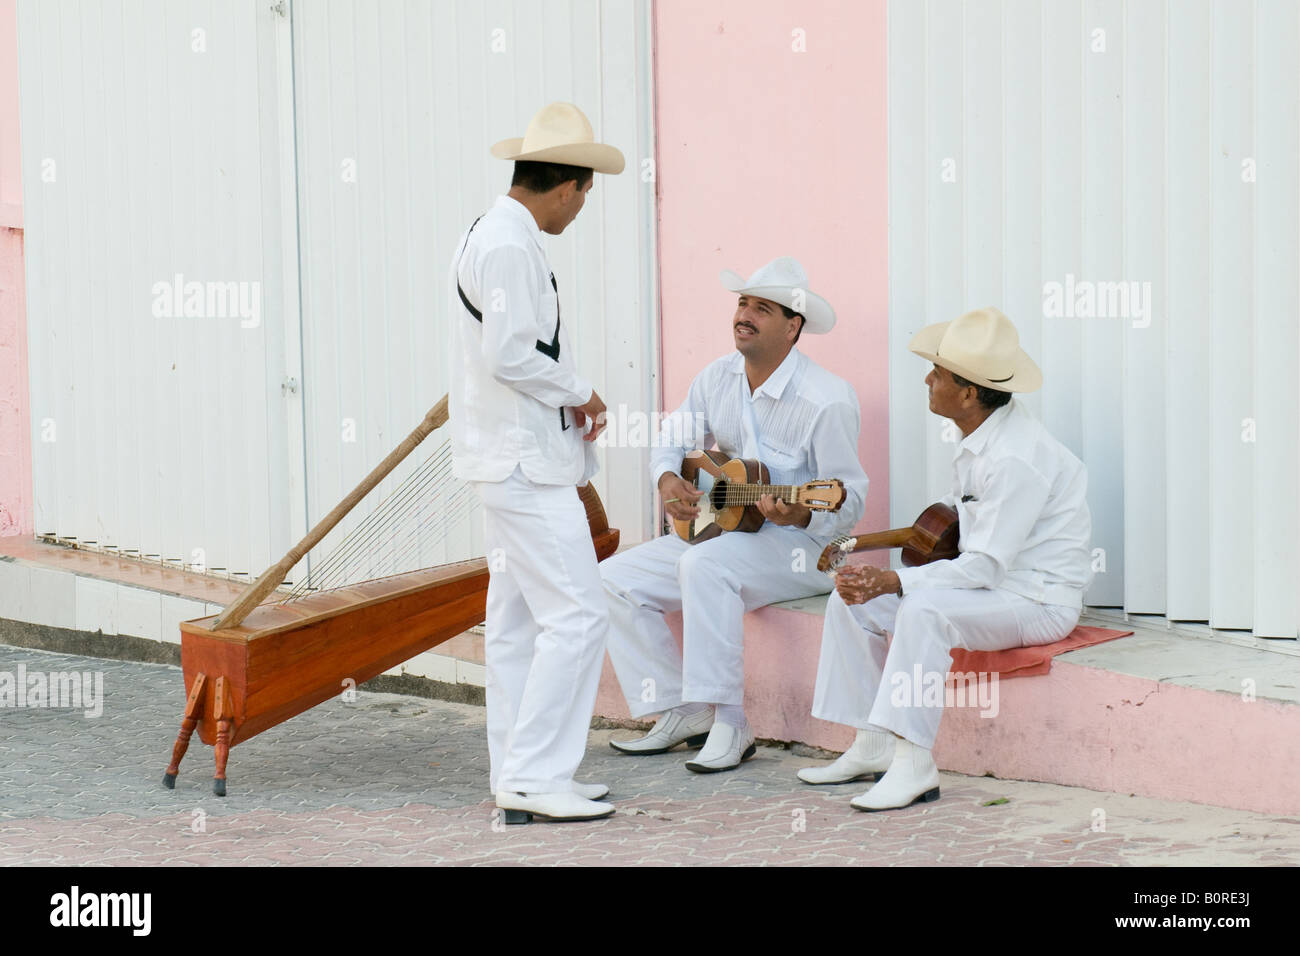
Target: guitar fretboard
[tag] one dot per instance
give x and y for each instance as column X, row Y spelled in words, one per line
column 738, row 495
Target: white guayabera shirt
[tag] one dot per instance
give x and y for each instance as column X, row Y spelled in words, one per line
column 512, row 370
column 1025, row 526
column 807, row 423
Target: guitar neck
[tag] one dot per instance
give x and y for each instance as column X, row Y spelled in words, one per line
column 737, row 495
column 883, row 540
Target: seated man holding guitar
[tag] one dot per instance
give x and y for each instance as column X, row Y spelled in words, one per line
column 1023, row 563
column 793, row 421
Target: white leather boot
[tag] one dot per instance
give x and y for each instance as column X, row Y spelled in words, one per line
column 911, row 777
column 869, row 757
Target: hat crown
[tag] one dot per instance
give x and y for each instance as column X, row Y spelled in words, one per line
column 983, row 332
column 557, row 124
column 783, row 272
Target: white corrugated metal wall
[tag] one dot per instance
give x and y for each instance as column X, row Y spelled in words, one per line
column 1099, row 142
column 397, row 107
column 159, row 140
column 150, row 152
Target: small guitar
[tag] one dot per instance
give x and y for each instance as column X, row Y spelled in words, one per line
column 933, row 537
column 731, row 492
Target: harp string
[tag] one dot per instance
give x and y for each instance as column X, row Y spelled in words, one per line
column 357, row 544
column 409, row 523
column 377, row 550
column 372, row 548
column 363, row 539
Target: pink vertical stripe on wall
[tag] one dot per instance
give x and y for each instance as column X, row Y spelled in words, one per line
column 15, row 403
column 771, row 132
column 11, row 187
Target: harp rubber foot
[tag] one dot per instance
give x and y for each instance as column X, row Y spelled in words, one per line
column 516, row 816
column 169, row 781
column 219, row 787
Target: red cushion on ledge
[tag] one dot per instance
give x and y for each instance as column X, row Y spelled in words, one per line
column 1029, row 661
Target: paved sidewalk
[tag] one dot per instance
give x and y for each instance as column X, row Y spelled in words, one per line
column 402, row 780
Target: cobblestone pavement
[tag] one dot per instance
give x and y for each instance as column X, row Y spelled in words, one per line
column 401, row 780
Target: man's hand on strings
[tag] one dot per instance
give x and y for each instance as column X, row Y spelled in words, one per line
column 594, row 410
column 679, row 497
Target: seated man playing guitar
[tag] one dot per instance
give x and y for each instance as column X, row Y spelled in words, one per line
column 1024, row 563
column 766, row 401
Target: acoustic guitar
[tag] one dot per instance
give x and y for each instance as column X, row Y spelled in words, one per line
column 731, row 492
column 933, row 537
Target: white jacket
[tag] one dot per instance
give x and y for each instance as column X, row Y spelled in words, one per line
column 512, row 368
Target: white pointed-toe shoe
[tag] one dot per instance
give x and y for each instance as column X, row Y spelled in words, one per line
column 726, row 747
column 670, row 730
column 555, row 807
column 868, row 759
column 588, row 791
column 912, row 777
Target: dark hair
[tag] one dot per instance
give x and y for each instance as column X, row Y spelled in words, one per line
column 543, row 177
column 990, row 398
column 790, row 314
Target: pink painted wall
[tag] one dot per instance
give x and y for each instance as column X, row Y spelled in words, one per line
column 15, row 405
column 763, row 152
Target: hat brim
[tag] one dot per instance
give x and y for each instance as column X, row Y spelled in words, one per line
column 597, row 156
column 1025, row 374
column 819, row 317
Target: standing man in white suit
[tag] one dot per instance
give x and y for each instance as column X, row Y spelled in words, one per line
column 522, row 425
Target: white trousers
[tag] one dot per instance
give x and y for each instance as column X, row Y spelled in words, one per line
column 545, row 633
column 713, row 584
column 869, row 682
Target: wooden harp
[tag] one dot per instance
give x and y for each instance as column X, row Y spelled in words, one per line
column 260, row 662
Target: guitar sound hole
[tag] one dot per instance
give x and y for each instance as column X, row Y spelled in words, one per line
column 718, row 496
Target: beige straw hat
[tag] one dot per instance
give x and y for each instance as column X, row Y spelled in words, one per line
column 982, row 347
column 561, row 133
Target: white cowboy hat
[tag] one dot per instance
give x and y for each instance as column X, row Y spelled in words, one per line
column 982, row 347
column 783, row 280
column 561, row 133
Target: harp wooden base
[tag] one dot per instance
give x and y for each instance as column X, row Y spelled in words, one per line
column 283, row 659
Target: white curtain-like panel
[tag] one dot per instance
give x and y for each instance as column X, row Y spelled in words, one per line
column 1123, row 180
column 397, row 106
column 239, row 223
column 155, row 263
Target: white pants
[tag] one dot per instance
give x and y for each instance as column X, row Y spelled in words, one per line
column 867, row 682
column 713, row 584
column 545, row 633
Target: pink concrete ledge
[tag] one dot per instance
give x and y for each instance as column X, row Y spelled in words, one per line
column 1077, row 726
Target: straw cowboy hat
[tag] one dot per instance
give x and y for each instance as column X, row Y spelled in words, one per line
column 982, row 347
column 560, row 133
column 783, row 280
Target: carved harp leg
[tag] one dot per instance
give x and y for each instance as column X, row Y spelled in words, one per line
column 224, row 713
column 188, row 723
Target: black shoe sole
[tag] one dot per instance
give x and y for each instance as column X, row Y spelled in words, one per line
column 696, row 741
column 700, row 768
column 928, row 797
